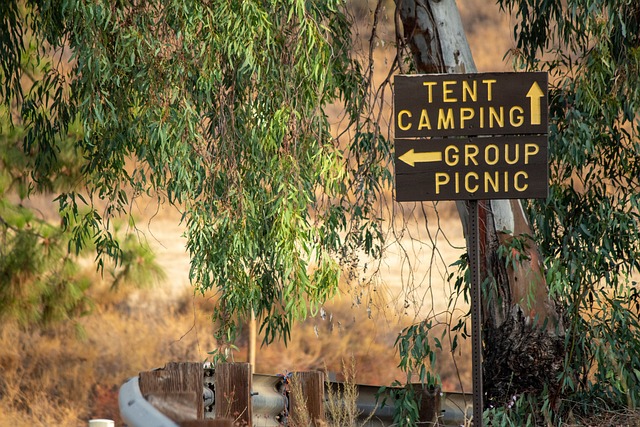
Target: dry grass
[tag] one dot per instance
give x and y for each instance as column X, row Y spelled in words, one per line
column 342, row 402
column 72, row 372
column 299, row 416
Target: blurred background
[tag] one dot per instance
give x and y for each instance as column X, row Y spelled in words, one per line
column 67, row 372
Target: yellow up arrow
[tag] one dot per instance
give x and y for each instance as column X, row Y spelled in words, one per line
column 411, row 157
column 534, row 95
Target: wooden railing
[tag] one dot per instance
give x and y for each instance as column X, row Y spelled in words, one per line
column 188, row 394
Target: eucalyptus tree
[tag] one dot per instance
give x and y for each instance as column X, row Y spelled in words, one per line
column 217, row 108
column 560, row 293
column 588, row 227
column 41, row 281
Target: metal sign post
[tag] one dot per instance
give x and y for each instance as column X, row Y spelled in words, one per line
column 476, row 314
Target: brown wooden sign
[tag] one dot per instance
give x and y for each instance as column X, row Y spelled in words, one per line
column 431, row 105
column 504, row 167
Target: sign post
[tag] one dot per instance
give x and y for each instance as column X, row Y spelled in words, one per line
column 471, row 137
column 476, row 315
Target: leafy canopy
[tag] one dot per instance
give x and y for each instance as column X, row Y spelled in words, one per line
column 41, row 281
column 218, row 108
column 589, row 226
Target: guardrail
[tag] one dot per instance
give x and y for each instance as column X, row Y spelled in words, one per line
column 136, row 411
column 182, row 394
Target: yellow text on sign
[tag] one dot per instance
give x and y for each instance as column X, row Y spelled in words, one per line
column 468, row 89
column 490, row 181
column 466, row 93
column 490, row 154
column 458, row 118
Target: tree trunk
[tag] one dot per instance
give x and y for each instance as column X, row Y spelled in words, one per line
column 522, row 330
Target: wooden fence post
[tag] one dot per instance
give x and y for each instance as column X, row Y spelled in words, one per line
column 307, row 395
column 428, row 399
column 232, row 383
column 175, row 390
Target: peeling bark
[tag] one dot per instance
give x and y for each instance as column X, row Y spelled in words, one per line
column 522, row 330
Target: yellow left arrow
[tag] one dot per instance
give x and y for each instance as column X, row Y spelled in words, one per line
column 411, row 157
